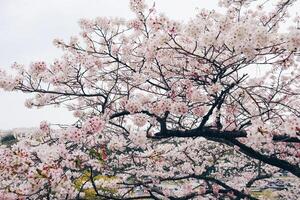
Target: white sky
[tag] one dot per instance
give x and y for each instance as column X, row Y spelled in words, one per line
column 28, row 27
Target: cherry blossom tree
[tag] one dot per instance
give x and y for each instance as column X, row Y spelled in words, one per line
column 165, row 110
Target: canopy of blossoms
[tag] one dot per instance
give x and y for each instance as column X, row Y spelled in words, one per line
column 165, row 109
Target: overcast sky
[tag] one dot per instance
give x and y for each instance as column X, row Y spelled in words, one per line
column 28, row 27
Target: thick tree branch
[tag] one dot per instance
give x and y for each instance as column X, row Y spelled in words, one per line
column 285, row 138
column 229, row 137
column 282, row 164
column 204, row 132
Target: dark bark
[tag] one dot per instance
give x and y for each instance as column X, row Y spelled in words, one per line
column 229, row 138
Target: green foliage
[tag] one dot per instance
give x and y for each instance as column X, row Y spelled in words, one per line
column 90, row 193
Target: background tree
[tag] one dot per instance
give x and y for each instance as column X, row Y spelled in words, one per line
column 166, row 110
